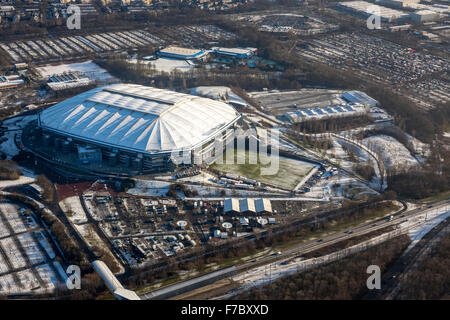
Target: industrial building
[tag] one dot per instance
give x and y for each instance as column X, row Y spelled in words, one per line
column 342, row 110
column 397, row 3
column 8, row 82
column 132, row 128
column 360, row 97
column 367, row 9
column 238, row 53
column 424, row 16
column 182, row 53
column 247, row 206
column 68, row 80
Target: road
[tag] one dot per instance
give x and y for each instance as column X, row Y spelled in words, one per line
column 365, row 228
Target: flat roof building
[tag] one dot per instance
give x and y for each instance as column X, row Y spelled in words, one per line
column 367, row 9
column 360, row 97
column 240, row 53
column 182, row 53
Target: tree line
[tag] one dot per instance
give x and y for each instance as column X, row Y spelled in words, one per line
column 341, row 280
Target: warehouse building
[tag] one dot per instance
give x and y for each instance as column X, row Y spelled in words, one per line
column 247, row 206
column 238, row 53
column 68, row 80
column 366, row 9
column 183, row 53
column 9, row 82
column 424, row 16
column 360, row 97
column 132, row 128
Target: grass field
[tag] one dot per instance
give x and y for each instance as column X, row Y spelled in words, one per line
column 287, row 175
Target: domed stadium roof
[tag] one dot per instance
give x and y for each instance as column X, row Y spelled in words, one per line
column 139, row 118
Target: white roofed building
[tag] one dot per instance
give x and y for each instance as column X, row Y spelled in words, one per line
column 139, row 126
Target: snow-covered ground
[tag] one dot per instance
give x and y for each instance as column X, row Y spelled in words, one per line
column 15, row 125
column 430, row 219
column 394, row 153
column 268, row 273
column 218, row 93
column 203, row 177
column 45, row 244
column 31, row 248
column 73, row 204
column 10, row 212
column 167, row 65
column 160, row 188
column 26, row 178
column 92, row 70
column 13, row 253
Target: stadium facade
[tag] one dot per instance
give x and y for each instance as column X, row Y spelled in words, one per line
column 133, row 128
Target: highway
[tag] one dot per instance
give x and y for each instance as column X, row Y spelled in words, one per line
column 398, row 218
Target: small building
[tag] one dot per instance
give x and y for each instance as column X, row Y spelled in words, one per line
column 20, row 66
column 243, row 221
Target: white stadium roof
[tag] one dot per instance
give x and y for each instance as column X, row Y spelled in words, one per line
column 138, row 118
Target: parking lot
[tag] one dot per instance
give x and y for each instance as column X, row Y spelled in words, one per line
column 280, row 102
column 56, row 49
column 26, row 255
column 376, row 59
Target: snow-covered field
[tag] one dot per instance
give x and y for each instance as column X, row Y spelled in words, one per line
column 73, row 205
column 429, row 220
column 160, row 188
column 150, row 188
column 13, row 253
column 31, row 248
column 45, row 244
column 92, row 70
column 167, row 65
column 394, row 153
column 49, row 277
column 10, row 211
column 217, row 93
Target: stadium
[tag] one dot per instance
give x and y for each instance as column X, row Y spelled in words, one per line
column 130, row 129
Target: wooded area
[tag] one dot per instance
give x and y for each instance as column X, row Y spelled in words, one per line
column 341, row 280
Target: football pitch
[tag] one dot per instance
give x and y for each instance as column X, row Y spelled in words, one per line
column 286, row 175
